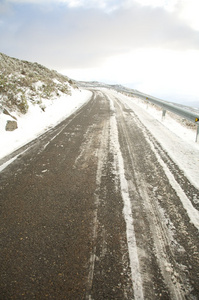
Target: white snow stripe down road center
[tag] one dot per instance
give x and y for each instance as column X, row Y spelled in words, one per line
column 131, row 239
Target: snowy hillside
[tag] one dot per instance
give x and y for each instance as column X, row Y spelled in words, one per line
column 23, row 83
column 32, row 99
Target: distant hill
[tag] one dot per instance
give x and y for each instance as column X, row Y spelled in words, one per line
column 22, row 82
column 96, row 84
column 132, row 92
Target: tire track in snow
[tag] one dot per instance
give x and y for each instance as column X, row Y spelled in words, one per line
column 127, row 210
column 190, row 209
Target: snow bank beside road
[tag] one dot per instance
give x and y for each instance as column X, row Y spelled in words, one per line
column 36, row 121
column 177, row 140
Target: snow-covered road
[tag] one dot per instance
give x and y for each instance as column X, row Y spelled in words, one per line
column 103, row 206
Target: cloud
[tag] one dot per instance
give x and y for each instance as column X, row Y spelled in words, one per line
column 4, row 7
column 67, row 35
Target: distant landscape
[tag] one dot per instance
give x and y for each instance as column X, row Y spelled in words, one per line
column 23, row 82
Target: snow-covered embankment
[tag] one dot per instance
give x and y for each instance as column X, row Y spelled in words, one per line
column 36, row 121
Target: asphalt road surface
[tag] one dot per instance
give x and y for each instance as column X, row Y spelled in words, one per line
column 93, row 209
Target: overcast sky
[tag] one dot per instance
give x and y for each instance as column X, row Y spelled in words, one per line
column 149, row 45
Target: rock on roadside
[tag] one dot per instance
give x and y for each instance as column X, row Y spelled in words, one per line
column 11, row 125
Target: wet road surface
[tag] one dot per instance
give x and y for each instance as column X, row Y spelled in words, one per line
column 93, row 209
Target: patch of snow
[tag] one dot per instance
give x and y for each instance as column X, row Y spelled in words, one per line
column 38, row 84
column 7, row 163
column 56, row 81
column 36, row 121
